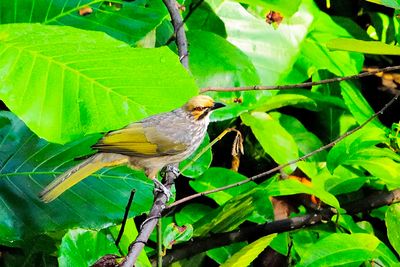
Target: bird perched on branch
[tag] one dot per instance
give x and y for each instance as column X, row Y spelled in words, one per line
column 148, row 145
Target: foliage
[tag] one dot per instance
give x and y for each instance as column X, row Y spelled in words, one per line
column 72, row 70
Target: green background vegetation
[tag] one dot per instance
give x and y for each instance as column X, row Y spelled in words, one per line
column 66, row 77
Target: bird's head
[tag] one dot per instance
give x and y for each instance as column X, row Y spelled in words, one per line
column 200, row 106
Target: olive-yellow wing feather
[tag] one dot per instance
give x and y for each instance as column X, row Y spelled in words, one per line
column 140, row 140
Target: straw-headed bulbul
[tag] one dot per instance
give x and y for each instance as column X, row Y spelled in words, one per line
column 148, row 145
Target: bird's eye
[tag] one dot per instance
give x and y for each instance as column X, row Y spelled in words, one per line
column 199, row 108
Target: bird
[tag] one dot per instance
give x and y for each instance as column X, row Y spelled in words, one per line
column 148, row 145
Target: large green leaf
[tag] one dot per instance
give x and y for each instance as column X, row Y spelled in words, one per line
column 392, row 220
column 314, row 55
column 81, row 247
column 127, row 21
column 275, row 140
column 367, row 47
column 301, row 98
column 360, row 150
column 291, row 187
column 216, row 62
column 271, row 51
column 247, row 254
column 203, row 18
column 339, row 249
column 389, row 3
column 29, row 163
column 305, row 140
column 350, row 146
column 358, row 105
column 286, row 7
column 65, row 83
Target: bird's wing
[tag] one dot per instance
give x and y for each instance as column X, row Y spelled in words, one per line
column 140, row 140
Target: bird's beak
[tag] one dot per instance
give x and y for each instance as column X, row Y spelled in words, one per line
column 217, row 105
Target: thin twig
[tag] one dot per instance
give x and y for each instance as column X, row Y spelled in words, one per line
column 127, row 208
column 159, row 244
column 181, row 41
column 263, row 174
column 198, row 245
column 299, row 85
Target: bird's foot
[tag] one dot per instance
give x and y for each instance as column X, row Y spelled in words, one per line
column 170, row 168
column 160, row 188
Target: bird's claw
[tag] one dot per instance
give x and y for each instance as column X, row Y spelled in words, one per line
column 159, row 187
column 169, row 168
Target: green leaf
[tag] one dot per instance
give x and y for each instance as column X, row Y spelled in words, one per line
column 174, row 234
column 334, row 121
column 29, row 163
column 305, row 140
column 275, row 140
column 220, row 255
column 253, row 204
column 199, row 166
column 227, row 217
column 127, row 21
column 203, row 19
column 291, row 187
column 281, row 243
column 272, row 51
column 286, row 7
column 366, row 47
column 340, row 249
column 54, row 79
column 383, row 168
column 191, row 213
column 351, row 145
column 282, row 100
column 358, row 105
column 247, row 254
column 81, row 247
column 314, row 55
column 216, row 177
column 216, row 62
column 302, row 99
column 389, row 3
column 359, row 150
column 129, row 235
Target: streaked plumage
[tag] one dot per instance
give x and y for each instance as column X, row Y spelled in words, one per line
column 147, row 145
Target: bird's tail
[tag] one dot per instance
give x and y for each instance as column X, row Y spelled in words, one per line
column 78, row 173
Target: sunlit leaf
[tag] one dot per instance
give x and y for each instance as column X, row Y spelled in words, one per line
column 65, row 83
column 247, row 254
column 81, row 247
column 127, row 21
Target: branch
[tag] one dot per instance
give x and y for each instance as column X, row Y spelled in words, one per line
column 160, row 199
column 252, row 232
column 299, row 85
column 192, row 8
column 181, row 41
column 149, row 224
column 263, row 174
